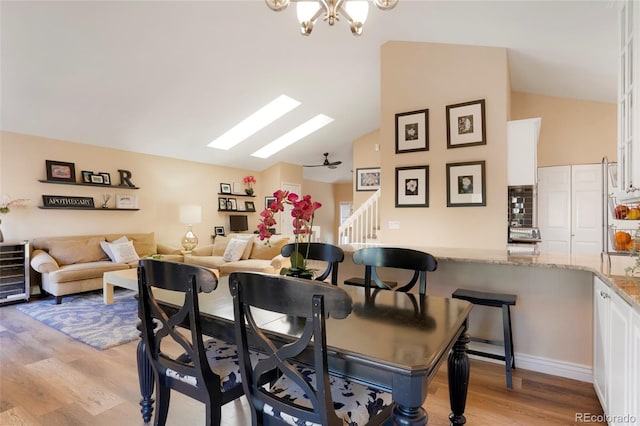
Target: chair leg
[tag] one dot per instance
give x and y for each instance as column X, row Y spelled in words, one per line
column 163, row 396
column 214, row 412
column 508, row 347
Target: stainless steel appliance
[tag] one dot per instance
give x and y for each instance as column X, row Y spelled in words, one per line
column 523, row 234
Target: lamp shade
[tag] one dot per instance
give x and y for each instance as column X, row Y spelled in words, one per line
column 306, row 10
column 190, row 214
column 357, row 10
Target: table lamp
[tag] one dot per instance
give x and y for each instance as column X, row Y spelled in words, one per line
column 189, row 215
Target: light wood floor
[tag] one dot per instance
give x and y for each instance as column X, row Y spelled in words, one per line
column 47, row 378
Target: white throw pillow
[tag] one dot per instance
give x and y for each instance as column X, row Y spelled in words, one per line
column 106, row 247
column 124, row 252
column 234, row 249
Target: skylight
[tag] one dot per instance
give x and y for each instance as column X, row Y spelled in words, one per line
column 293, row 136
column 256, row 121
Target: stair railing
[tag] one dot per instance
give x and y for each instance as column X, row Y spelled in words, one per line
column 363, row 225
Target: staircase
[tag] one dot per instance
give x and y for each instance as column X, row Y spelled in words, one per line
column 363, row 226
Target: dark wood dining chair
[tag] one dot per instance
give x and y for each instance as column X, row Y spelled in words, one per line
column 303, row 393
column 319, row 251
column 207, row 370
column 393, row 257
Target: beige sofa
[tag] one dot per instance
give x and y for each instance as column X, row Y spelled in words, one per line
column 74, row 264
column 256, row 255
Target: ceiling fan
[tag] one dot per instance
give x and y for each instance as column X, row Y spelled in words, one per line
column 325, row 163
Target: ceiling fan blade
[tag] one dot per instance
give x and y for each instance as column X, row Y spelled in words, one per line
column 326, row 163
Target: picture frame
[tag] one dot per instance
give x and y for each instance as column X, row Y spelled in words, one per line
column 222, row 203
column 61, row 171
column 368, row 179
column 232, row 204
column 106, row 178
column 65, row 202
column 86, row 176
column 97, row 179
column 249, row 206
column 412, row 131
column 412, row 186
column 225, row 188
column 466, row 124
column 125, row 201
column 218, row 230
column 268, row 201
column 238, row 188
column 466, row 184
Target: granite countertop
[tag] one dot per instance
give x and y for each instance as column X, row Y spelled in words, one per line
column 627, row 287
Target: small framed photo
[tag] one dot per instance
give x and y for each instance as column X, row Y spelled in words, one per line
column 268, row 201
column 106, row 178
column 466, row 184
column 412, row 131
column 86, row 176
column 124, row 201
column 412, row 186
column 225, row 188
column 218, row 230
column 368, row 179
column 249, row 206
column 97, row 179
column 232, row 204
column 61, row 171
column 466, row 124
column 222, row 203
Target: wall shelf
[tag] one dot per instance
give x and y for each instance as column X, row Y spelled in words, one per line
column 236, row 211
column 236, row 195
column 83, row 208
column 91, row 184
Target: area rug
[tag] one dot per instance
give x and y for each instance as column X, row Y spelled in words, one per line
column 87, row 319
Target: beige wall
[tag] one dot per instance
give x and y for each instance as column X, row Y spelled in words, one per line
column 365, row 156
column 164, row 184
column 573, row 131
column 425, row 75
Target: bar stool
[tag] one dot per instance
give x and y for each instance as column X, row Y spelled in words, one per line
column 496, row 300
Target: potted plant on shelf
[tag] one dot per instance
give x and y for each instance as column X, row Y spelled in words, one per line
column 249, row 181
column 303, row 212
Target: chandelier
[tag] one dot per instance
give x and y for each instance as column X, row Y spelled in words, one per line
column 354, row 11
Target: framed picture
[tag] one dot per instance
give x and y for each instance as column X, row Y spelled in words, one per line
column 222, row 203
column 466, row 184
column 412, row 131
column 238, row 188
column 218, row 230
column 412, row 186
column 97, row 179
column 232, row 204
column 249, row 206
column 63, row 202
column 466, row 124
column 225, row 188
column 61, row 171
column 124, row 201
column 268, row 201
column 368, row 179
column 86, row 176
column 106, row 178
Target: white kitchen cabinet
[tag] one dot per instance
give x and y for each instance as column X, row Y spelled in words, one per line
column 522, row 151
column 628, row 98
column 615, row 355
column 570, row 209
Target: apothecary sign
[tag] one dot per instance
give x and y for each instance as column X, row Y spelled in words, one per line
column 63, row 201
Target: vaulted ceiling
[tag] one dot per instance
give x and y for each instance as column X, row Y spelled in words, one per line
column 167, row 77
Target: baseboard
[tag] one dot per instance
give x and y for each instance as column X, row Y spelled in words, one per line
column 569, row 370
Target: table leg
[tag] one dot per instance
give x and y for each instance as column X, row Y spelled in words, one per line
column 458, row 372
column 145, row 377
column 107, row 293
column 409, row 416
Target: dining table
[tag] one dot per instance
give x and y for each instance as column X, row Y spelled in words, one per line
column 394, row 341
